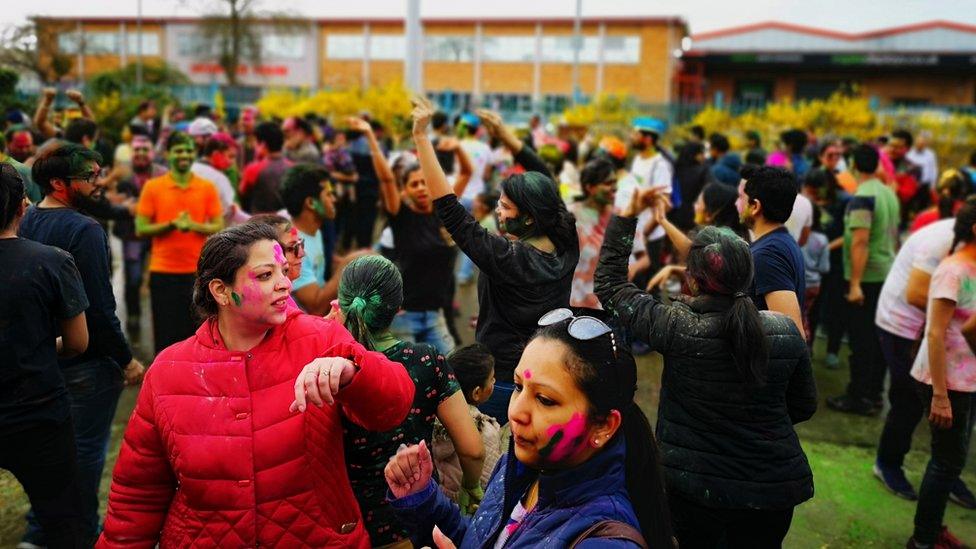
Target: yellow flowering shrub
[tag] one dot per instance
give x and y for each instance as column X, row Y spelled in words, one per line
column 953, row 135
column 389, row 104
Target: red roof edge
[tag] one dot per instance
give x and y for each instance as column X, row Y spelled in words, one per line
column 838, row 35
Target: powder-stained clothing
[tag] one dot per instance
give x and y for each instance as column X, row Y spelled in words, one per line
column 591, row 225
column 953, row 280
column 260, row 185
column 518, row 284
column 367, row 452
column 724, row 443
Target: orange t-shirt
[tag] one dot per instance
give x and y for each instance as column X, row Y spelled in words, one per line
column 162, row 200
column 847, row 182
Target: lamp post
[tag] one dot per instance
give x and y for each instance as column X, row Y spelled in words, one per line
column 139, row 44
column 577, row 44
column 413, row 66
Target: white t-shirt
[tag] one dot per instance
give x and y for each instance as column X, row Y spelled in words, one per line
column 801, row 217
column 654, row 172
column 480, row 155
column 225, row 190
column 926, row 160
column 923, row 250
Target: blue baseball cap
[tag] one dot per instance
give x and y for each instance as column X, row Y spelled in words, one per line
column 471, row 120
column 649, row 124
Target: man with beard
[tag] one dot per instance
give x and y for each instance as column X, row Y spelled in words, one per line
column 766, row 197
column 179, row 210
column 135, row 249
column 68, row 175
column 20, row 144
column 653, row 170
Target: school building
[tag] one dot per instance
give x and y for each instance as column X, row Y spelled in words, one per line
column 932, row 63
column 514, row 64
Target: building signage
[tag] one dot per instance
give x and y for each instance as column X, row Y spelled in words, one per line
column 838, row 60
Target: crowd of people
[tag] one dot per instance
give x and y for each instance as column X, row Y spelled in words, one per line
column 309, row 387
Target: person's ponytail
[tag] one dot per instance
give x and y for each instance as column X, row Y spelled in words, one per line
column 750, row 348
column 370, row 294
column 644, row 479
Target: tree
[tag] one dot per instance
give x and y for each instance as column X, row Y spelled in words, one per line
column 124, row 79
column 230, row 34
column 20, row 49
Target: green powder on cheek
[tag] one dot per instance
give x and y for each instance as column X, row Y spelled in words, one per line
column 236, row 298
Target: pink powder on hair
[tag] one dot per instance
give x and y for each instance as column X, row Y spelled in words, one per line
column 279, row 254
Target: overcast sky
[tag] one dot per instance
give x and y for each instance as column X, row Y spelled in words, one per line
column 702, row 15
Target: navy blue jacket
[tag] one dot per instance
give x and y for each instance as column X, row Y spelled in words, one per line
column 569, row 502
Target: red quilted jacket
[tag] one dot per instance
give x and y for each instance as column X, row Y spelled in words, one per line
column 213, row 458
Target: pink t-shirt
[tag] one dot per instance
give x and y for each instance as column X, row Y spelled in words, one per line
column 954, row 279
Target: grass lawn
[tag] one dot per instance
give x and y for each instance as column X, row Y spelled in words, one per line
column 850, row 509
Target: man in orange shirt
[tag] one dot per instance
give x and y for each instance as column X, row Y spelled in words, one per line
column 179, row 210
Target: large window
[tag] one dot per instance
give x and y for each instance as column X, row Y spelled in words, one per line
column 283, row 46
column 622, row 49
column 509, row 48
column 559, row 49
column 448, row 48
column 191, row 44
column 90, row 43
column 382, row 47
column 387, row 47
column 150, row 43
column 345, row 46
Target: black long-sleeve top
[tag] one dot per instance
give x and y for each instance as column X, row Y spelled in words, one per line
column 724, row 443
column 518, row 283
column 86, row 241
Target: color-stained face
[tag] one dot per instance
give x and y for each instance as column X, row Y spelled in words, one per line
column 548, row 411
column 294, row 248
column 180, row 157
column 897, row 148
column 416, row 190
column 324, row 205
column 604, row 193
column 83, row 190
column 261, row 286
column 506, row 209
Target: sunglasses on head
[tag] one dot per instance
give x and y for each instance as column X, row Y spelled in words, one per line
column 583, row 328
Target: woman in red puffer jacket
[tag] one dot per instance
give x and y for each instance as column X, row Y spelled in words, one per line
column 222, row 450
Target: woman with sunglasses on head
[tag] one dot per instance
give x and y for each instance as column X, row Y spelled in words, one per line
column 735, row 382
column 582, row 468
column 522, row 276
column 214, row 455
column 424, row 250
column 370, row 293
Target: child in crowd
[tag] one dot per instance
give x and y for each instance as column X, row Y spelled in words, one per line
column 816, row 257
column 474, row 368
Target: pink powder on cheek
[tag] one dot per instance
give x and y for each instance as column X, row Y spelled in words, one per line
column 573, row 435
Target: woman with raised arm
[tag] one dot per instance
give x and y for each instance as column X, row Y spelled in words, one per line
column 213, row 454
column 735, row 382
column 425, row 252
column 522, row 276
